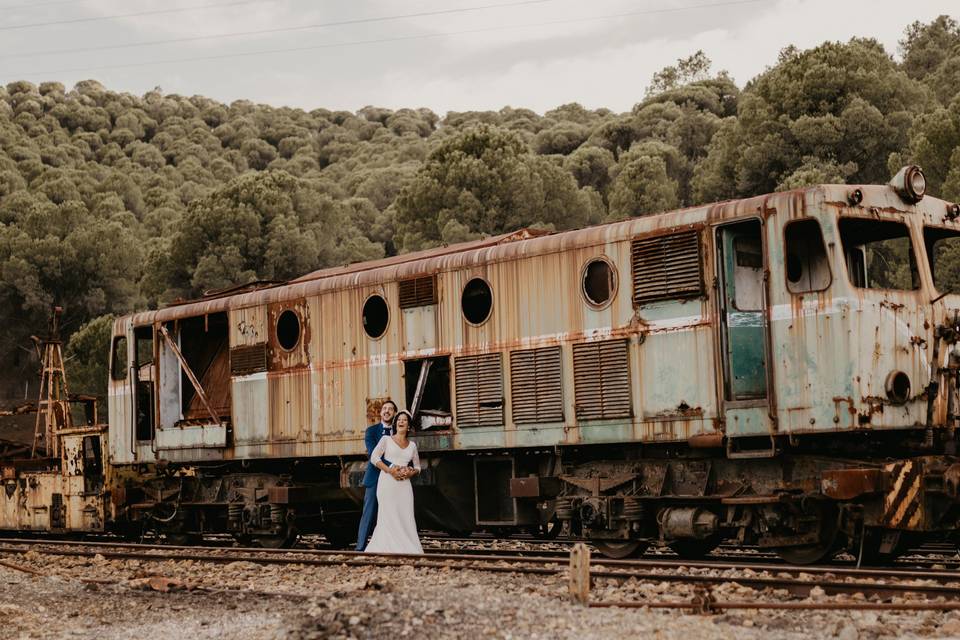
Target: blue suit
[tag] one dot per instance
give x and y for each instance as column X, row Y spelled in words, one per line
column 372, row 436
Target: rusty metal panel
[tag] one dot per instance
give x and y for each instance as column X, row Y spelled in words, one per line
column 601, row 372
column 844, row 484
column 417, row 292
column 536, row 385
column 479, row 381
column 525, row 487
column 248, row 326
column 667, row 267
column 215, row 382
column 298, row 356
column 291, row 404
column 247, row 360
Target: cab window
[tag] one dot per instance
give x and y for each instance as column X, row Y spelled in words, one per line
column 806, row 257
column 879, row 254
column 943, row 252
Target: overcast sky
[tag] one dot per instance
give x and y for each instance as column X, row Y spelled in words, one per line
column 453, row 55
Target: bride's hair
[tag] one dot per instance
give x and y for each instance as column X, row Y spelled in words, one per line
column 404, row 412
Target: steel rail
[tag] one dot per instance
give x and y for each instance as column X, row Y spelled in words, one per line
column 884, row 573
column 711, row 606
column 794, row 585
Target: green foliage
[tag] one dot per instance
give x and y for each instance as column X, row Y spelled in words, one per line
column 261, row 226
column 687, row 70
column 87, row 357
column 485, row 181
column 843, row 105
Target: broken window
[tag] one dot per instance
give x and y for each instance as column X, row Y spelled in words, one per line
column 427, row 382
column 146, row 395
column 204, row 345
column 806, row 257
column 879, row 254
column 943, row 252
column 92, row 464
column 598, row 282
column 118, row 360
column 748, row 272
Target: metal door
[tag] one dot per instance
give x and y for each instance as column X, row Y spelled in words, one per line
column 743, row 327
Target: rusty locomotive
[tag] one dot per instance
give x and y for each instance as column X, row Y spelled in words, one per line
column 778, row 371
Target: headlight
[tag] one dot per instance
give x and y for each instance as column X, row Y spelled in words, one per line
column 910, row 183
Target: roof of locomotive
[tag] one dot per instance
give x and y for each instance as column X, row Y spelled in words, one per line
column 532, row 242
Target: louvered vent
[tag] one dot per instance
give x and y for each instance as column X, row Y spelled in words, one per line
column 667, row 267
column 418, row 292
column 536, row 385
column 479, row 382
column 601, row 377
column 247, row 360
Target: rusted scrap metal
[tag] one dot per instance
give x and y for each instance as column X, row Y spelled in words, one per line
column 20, row 567
column 53, row 408
column 845, row 484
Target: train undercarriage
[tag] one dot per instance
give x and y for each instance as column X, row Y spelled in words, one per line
column 802, row 504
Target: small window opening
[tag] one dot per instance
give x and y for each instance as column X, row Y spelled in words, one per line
column 427, row 383
column 288, row 329
column 144, row 417
column 879, row 254
column 144, row 344
column 477, row 300
column 92, row 464
column 943, row 252
column 118, row 359
column 807, row 266
column 748, row 273
column 376, row 315
column 598, row 282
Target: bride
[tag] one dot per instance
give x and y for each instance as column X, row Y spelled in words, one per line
column 396, row 530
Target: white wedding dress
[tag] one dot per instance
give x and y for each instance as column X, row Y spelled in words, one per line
column 396, row 530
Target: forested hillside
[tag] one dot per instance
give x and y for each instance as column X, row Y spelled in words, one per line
column 111, row 202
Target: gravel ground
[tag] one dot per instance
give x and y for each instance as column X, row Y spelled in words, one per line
column 185, row 599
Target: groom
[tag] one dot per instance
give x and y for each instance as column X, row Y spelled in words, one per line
column 374, row 432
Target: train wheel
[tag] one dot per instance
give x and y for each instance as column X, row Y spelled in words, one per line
column 825, row 514
column 690, row 549
column 619, row 549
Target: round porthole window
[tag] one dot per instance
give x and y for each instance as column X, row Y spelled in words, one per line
column 599, row 282
column 288, row 329
column 376, row 316
column 476, row 301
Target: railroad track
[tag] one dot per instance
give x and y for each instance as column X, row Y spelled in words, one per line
column 889, row 588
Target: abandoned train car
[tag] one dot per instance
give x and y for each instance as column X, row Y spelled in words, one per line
column 779, row 370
